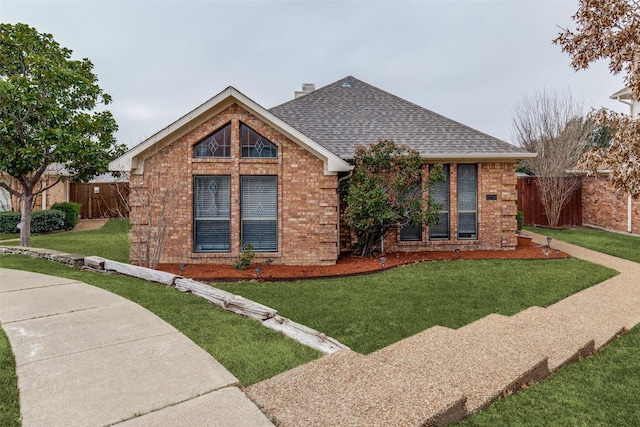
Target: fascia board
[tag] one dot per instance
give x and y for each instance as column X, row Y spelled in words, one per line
column 474, row 157
column 332, row 163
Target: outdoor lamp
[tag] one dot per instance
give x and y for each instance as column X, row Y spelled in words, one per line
column 457, row 251
column 549, row 241
column 258, row 272
column 183, row 265
column 382, row 261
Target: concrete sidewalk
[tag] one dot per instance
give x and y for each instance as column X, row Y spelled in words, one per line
column 87, row 357
column 442, row 375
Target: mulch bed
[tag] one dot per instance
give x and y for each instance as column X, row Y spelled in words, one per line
column 349, row 265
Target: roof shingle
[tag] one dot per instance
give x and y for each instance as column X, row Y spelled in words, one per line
column 348, row 113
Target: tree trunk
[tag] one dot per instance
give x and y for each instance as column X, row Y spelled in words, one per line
column 25, row 221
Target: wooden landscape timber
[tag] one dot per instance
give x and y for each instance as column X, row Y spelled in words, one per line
column 222, row 299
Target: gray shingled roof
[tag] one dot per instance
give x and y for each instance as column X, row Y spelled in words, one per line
column 341, row 118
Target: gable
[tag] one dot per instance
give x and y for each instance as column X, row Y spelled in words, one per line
column 133, row 160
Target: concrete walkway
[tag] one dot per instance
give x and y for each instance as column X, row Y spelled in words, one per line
column 441, row 375
column 87, row 357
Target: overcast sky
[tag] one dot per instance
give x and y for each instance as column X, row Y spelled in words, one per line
column 471, row 61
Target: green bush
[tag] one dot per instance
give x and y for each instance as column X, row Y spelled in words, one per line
column 41, row 221
column 520, row 219
column 47, row 221
column 71, row 212
column 245, row 258
column 9, row 222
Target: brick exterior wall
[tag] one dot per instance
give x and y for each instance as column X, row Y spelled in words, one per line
column 56, row 194
column 496, row 218
column 603, row 206
column 307, row 199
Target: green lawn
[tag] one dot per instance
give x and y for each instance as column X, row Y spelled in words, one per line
column 598, row 391
column 370, row 312
column 621, row 245
column 110, row 241
column 9, row 403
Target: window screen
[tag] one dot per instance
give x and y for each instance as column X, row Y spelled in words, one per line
column 212, row 213
column 467, row 201
column 259, row 212
column 440, row 193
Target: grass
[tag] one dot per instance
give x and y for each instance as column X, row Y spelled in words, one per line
column 616, row 244
column 599, row 391
column 109, row 242
column 249, row 350
column 370, row 312
column 9, row 399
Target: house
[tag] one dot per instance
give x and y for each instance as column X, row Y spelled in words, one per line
column 232, row 172
column 602, row 205
column 56, row 194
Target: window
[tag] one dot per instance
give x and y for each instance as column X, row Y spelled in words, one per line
column 218, row 144
column 411, row 233
column 259, row 212
column 212, row 213
column 440, row 193
column 254, row 145
column 467, row 202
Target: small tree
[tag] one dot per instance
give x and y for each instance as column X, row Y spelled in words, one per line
column 610, row 29
column 550, row 124
column 385, row 193
column 47, row 116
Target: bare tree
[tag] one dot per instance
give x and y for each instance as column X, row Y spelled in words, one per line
column 610, row 29
column 551, row 124
column 152, row 202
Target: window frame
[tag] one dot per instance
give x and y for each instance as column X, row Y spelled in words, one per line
column 268, row 146
column 272, row 220
column 210, row 219
column 474, row 235
column 446, row 209
column 226, row 147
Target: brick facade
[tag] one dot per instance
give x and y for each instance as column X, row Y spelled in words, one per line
column 307, row 198
column 57, row 194
column 603, row 206
column 496, row 218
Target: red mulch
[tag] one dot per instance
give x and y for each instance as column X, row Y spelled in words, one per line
column 349, row 265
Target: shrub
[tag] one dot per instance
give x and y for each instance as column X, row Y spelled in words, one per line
column 520, row 219
column 9, row 222
column 47, row 221
column 245, row 258
column 41, row 221
column 71, row 212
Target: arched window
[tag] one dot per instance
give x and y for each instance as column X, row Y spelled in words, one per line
column 217, row 144
column 254, row 145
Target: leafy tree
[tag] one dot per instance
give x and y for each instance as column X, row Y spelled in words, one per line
column 48, row 115
column 385, row 193
column 610, row 29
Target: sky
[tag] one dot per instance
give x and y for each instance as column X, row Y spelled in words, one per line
column 471, row 61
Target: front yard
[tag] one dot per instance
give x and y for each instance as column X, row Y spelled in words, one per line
column 370, row 312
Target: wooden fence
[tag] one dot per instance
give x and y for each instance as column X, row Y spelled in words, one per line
column 529, row 203
column 101, row 200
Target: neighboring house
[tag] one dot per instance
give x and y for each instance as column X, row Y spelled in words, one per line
column 57, row 193
column 269, row 177
column 602, row 205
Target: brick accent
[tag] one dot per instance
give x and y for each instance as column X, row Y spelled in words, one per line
column 496, row 218
column 603, row 206
column 307, row 199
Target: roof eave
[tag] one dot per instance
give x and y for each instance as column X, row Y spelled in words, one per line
column 477, row 156
column 129, row 161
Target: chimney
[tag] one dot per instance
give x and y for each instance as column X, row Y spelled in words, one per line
column 306, row 88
